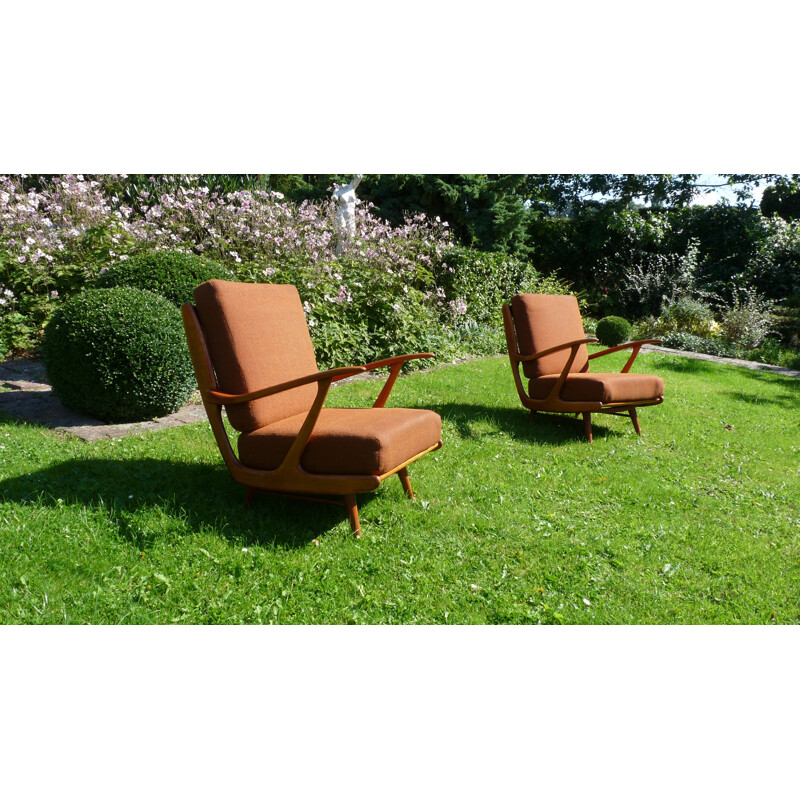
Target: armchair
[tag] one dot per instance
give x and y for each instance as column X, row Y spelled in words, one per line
column 545, row 336
column 252, row 355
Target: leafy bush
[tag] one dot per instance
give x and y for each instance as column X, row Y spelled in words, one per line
column 612, row 331
column 484, row 281
column 358, row 313
column 601, row 245
column 727, row 237
column 775, row 269
column 170, row 273
column 698, row 344
column 119, row 355
column 747, row 321
column 687, row 315
column 786, row 322
column 768, row 352
column 658, row 280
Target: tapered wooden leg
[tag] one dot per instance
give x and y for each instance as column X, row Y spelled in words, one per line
column 635, row 420
column 532, row 414
column 352, row 513
column 248, row 497
column 587, row 424
column 406, row 481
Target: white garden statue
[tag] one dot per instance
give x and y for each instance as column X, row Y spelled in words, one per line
column 345, row 199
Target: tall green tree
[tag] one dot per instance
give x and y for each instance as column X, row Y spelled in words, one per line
column 782, row 199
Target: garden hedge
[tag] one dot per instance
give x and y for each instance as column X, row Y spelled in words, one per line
column 169, row 273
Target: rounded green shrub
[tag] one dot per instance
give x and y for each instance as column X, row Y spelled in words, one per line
column 119, row 355
column 172, row 274
column 612, row 331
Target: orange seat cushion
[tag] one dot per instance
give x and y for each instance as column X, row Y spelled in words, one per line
column 603, row 387
column 346, row 441
column 543, row 321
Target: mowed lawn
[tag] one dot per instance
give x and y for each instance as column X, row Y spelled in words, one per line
column 517, row 520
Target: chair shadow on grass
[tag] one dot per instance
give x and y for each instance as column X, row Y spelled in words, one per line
column 690, row 365
column 471, row 419
column 202, row 494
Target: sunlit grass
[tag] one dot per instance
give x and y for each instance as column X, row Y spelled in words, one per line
column 516, row 521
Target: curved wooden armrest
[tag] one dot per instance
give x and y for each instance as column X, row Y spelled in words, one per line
column 575, row 345
column 388, row 362
column 317, row 377
column 635, row 345
column 396, row 364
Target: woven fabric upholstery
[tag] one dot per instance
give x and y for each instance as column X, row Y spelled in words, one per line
column 543, row 321
column 346, row 441
column 257, row 337
column 603, row 387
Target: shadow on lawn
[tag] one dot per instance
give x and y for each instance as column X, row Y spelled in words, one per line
column 690, row 365
column 203, row 494
column 549, row 429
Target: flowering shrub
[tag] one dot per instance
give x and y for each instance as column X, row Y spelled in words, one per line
column 391, row 289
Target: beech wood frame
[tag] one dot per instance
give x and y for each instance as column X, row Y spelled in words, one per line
column 553, row 402
column 289, row 479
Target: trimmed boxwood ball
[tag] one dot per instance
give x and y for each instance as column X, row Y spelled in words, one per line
column 119, row 355
column 612, row 331
column 172, row 274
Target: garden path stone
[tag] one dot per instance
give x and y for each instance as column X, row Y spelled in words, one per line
column 26, row 394
column 734, row 362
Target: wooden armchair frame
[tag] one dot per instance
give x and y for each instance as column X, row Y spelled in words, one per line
column 290, row 479
column 553, row 402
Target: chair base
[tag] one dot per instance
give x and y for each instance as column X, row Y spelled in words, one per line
column 346, row 500
column 616, row 411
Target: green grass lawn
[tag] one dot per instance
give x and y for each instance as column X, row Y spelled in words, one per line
column 516, row 521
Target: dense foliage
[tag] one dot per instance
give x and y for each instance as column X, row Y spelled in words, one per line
column 403, row 287
column 171, row 274
column 698, row 344
column 118, row 355
column 433, row 258
column 783, row 200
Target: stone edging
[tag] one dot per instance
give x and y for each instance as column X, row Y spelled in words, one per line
column 734, row 362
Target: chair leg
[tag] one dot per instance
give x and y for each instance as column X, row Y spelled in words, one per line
column 406, row 481
column 248, row 497
column 532, row 413
column 635, row 420
column 587, row 424
column 352, row 513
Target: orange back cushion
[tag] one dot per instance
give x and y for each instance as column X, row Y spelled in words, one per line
column 257, row 337
column 543, row 321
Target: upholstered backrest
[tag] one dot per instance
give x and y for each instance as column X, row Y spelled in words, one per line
column 543, row 321
column 257, row 337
